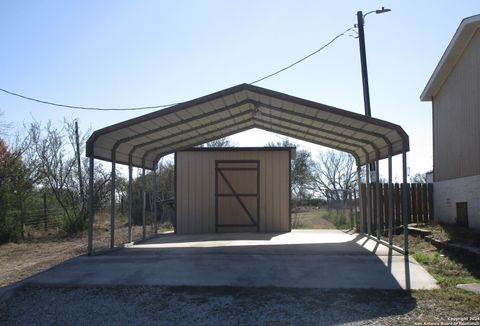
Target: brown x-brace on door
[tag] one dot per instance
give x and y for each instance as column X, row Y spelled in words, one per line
column 237, row 195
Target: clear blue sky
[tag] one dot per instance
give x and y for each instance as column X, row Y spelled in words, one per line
column 135, row 53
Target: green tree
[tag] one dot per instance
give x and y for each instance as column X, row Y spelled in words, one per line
column 302, row 170
column 302, row 176
column 13, row 187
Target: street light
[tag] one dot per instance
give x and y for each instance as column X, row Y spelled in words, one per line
column 363, row 61
column 366, row 99
column 363, row 56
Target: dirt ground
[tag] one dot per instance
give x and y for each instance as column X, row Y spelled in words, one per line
column 27, row 258
column 312, row 220
column 21, row 260
column 453, row 233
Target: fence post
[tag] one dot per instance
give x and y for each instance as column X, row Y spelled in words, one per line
column 413, row 204
column 424, row 203
column 363, row 207
column 385, row 207
column 45, row 216
column 430, row 202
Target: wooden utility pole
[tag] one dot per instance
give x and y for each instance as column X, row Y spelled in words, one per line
column 80, row 177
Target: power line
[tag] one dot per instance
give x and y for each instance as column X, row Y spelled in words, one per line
column 302, row 59
column 75, row 107
column 86, row 108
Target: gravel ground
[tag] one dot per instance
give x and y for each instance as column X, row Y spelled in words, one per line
column 212, row 306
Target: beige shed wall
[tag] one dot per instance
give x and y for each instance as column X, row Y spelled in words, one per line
column 456, row 118
column 195, row 190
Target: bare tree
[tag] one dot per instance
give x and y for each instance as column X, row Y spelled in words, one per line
column 55, row 165
column 419, row 178
column 54, row 150
column 4, row 126
column 335, row 175
column 222, row 142
column 284, row 143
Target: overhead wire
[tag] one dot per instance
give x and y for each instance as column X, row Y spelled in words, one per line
column 160, row 106
column 86, row 108
column 302, row 59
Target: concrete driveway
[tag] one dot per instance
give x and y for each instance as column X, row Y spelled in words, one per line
column 299, row 259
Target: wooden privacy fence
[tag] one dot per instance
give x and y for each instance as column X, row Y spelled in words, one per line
column 420, row 204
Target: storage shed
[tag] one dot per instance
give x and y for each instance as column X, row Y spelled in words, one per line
column 233, row 190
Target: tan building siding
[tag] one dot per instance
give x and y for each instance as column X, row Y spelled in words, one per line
column 456, row 118
column 195, row 191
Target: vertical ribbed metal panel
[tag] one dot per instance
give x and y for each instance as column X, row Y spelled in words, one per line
column 196, row 190
column 456, row 118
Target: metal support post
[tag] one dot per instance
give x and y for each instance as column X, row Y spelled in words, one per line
column 130, row 199
column 155, row 228
column 112, row 195
column 378, row 199
column 144, row 225
column 355, row 212
column 390, row 200
column 360, row 198
column 90, row 206
column 350, row 204
column 369, row 200
column 405, row 203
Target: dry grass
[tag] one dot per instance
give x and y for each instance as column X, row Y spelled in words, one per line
column 453, row 233
column 313, row 219
column 21, row 260
column 29, row 257
column 449, row 269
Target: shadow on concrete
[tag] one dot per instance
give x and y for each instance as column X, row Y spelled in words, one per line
column 321, row 260
column 171, row 237
column 159, row 247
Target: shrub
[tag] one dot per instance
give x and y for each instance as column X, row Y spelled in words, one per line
column 72, row 223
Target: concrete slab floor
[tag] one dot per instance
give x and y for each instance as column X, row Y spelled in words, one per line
column 472, row 287
column 298, row 259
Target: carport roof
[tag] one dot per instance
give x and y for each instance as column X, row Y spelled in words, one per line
column 145, row 139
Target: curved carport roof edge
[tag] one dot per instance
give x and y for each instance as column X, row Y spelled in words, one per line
column 274, row 110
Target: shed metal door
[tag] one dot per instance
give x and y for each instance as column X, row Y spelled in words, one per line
column 237, row 195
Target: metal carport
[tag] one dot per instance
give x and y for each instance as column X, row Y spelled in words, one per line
column 143, row 141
